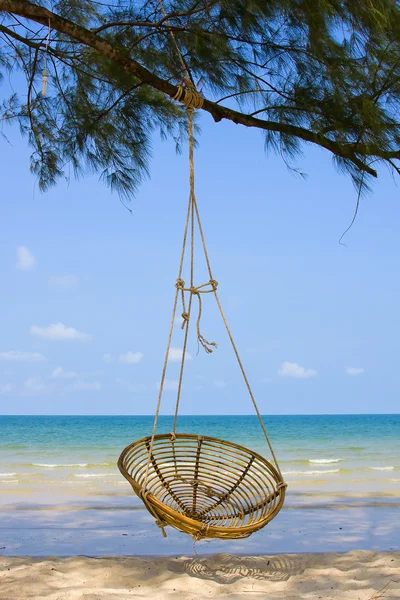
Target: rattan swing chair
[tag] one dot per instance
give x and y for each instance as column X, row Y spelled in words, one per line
column 200, row 485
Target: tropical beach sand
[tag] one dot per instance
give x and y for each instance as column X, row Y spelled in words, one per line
column 355, row 575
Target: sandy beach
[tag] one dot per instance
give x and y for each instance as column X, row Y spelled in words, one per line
column 356, row 575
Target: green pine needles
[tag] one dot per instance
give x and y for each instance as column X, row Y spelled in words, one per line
column 325, row 72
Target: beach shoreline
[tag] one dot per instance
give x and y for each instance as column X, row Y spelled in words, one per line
column 358, row 574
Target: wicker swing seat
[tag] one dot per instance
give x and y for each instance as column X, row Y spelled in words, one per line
column 203, row 486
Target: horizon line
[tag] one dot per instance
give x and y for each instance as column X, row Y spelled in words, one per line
column 207, row 415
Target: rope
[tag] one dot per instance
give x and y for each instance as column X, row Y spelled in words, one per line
column 187, row 93
column 159, row 522
column 171, row 328
column 190, row 97
column 178, row 395
column 196, row 291
column 180, row 287
column 185, row 68
column 233, row 343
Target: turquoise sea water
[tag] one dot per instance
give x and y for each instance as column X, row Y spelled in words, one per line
column 53, row 463
column 347, row 453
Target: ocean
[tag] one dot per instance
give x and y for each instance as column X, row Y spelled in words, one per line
column 59, row 473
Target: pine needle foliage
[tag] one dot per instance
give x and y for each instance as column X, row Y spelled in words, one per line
column 325, row 72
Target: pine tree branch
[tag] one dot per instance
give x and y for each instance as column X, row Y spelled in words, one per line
column 172, row 15
column 19, row 38
column 372, row 150
column 41, row 15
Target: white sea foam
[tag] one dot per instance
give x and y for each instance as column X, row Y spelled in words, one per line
column 320, row 472
column 324, row 461
column 53, row 466
column 382, row 468
column 91, row 474
column 7, row 474
column 9, row 481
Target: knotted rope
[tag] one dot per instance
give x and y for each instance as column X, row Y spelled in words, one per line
column 191, row 99
column 189, row 96
column 197, row 291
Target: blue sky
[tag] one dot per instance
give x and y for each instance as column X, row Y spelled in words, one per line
column 87, row 288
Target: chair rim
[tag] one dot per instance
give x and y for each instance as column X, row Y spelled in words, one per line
column 214, row 530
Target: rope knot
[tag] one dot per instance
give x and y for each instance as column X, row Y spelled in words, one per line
column 281, row 485
column 189, row 96
column 202, row 533
column 180, row 284
column 162, row 524
column 173, row 436
column 214, row 284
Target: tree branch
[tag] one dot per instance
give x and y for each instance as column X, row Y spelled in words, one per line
column 173, row 15
column 372, row 150
column 42, row 16
column 19, row 38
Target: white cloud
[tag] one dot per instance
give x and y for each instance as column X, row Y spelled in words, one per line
column 65, row 282
column 175, row 355
column 17, row 355
column 289, row 369
column 25, row 259
column 107, row 358
column 59, row 373
column 34, row 386
column 58, row 331
column 6, row 388
column 354, row 371
column 131, row 358
column 87, row 385
column 220, row 384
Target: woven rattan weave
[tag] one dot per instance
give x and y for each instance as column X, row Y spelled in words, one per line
column 203, row 486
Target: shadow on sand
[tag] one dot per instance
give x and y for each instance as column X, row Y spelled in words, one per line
column 225, row 568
